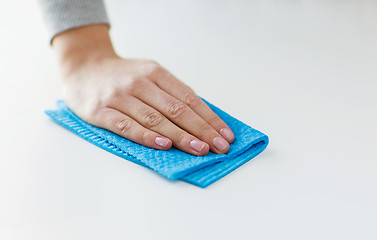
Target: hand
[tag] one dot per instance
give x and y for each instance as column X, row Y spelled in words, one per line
column 137, row 99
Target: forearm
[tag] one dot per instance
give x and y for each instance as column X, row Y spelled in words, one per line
column 83, row 45
column 79, row 31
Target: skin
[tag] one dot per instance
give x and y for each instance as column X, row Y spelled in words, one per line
column 135, row 98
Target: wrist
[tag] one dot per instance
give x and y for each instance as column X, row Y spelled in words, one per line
column 84, row 46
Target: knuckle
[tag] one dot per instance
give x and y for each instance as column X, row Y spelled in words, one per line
column 94, row 110
column 145, row 136
column 151, row 62
column 204, row 130
column 134, row 84
column 216, row 122
column 181, row 138
column 123, row 125
column 152, row 119
column 176, row 109
column 152, row 68
column 111, row 95
column 191, row 100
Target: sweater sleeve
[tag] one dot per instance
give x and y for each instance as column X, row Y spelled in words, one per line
column 61, row 15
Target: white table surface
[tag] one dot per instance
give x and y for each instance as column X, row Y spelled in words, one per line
column 303, row 72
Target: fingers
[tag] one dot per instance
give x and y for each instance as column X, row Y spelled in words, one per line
column 183, row 116
column 155, row 121
column 182, row 92
column 126, row 127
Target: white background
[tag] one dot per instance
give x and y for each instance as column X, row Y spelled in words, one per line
column 303, row 72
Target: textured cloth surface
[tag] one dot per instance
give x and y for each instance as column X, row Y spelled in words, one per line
column 173, row 164
column 61, row 15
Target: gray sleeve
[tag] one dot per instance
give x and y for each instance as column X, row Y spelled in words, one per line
column 61, row 15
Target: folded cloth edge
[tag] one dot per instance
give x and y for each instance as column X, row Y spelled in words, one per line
column 191, row 175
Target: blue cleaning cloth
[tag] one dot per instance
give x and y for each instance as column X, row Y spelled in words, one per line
column 173, row 163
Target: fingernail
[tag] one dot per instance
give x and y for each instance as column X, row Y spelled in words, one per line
column 226, row 133
column 197, row 145
column 220, row 143
column 160, row 141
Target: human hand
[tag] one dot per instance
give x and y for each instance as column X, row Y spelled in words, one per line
column 137, row 99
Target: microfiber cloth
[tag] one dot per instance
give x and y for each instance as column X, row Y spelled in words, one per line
column 173, row 164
